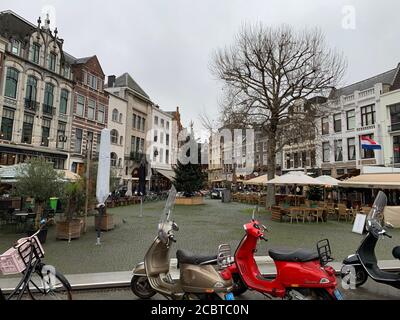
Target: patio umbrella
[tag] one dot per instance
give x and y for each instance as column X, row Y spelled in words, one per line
column 295, row 177
column 103, row 171
column 261, row 180
column 103, row 175
column 129, row 189
column 328, row 181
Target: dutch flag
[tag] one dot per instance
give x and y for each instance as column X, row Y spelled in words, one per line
column 369, row 144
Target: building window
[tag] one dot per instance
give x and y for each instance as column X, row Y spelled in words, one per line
column 48, row 99
column 35, row 53
column 395, row 117
column 337, row 122
column 325, row 125
column 27, row 128
column 288, row 162
column 296, row 159
column 61, row 137
column 11, row 83
column 7, row 122
column 121, row 140
column 162, row 123
column 167, row 156
column 66, row 71
column 91, row 109
column 396, row 149
column 114, row 159
column 167, row 139
column 134, row 121
column 101, row 113
column 351, row 119
column 156, row 120
column 304, row 159
column 155, row 136
column 351, row 149
column 52, row 61
column 78, row 140
column 133, row 145
column 15, row 47
column 139, row 123
column 45, row 132
column 325, row 152
column 368, row 115
column 143, row 124
column 114, row 136
column 92, row 81
column 167, row 125
column 367, row 154
column 338, row 150
column 31, row 90
column 80, row 105
column 64, row 101
column 115, row 115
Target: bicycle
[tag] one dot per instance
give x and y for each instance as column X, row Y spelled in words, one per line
column 39, row 281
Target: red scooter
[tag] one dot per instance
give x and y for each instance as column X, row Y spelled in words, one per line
column 301, row 274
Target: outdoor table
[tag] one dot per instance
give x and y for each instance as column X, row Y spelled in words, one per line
column 305, row 210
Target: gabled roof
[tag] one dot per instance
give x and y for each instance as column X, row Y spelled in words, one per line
column 13, row 24
column 126, row 80
column 78, row 61
column 387, row 77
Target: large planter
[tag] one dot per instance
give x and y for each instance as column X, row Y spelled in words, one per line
column 104, row 222
column 68, row 230
column 191, row 201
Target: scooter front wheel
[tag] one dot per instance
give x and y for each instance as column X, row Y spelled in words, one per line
column 140, row 286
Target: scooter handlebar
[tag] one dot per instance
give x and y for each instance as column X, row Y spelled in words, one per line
column 262, row 238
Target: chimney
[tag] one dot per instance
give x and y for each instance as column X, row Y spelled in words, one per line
column 111, row 82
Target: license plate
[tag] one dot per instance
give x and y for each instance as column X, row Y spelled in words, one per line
column 229, row 296
column 338, row 294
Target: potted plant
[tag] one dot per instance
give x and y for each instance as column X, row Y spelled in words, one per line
column 38, row 179
column 189, row 179
column 70, row 227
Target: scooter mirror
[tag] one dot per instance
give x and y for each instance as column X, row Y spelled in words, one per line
column 175, row 227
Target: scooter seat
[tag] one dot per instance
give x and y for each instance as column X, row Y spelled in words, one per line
column 396, row 252
column 297, row 255
column 187, row 257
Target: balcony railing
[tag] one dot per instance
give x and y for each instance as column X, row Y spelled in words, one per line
column 394, row 127
column 366, row 93
column 48, row 110
column 136, row 156
column 31, row 105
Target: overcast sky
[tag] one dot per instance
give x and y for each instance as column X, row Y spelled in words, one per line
column 166, row 45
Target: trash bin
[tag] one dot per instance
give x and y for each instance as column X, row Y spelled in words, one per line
column 53, row 203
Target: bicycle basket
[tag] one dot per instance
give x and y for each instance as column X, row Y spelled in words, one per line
column 16, row 259
column 324, row 251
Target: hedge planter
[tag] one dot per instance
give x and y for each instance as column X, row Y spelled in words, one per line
column 68, row 230
column 192, row 201
column 104, row 222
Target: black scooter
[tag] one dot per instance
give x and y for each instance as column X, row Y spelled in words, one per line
column 358, row 267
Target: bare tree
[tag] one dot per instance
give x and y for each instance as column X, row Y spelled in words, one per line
column 266, row 72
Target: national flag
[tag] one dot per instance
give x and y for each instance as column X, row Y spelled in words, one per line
column 369, row 144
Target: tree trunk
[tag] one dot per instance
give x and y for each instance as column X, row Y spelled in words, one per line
column 271, row 161
column 39, row 212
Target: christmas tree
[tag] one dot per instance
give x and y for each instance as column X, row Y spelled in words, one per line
column 189, row 178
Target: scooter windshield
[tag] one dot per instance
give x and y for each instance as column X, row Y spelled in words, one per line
column 169, row 205
column 375, row 216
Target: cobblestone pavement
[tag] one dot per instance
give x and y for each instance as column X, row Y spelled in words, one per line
column 370, row 291
column 202, row 229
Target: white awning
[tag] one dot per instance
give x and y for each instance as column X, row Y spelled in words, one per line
column 295, row 177
column 169, row 174
column 370, row 181
column 261, row 180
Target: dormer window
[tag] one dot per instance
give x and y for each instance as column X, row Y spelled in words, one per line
column 35, row 52
column 52, row 61
column 65, row 71
column 15, row 47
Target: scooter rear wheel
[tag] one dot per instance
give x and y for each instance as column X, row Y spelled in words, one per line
column 140, row 286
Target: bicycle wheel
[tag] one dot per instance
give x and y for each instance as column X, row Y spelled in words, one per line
column 49, row 286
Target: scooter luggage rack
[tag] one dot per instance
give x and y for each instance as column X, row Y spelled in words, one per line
column 324, row 252
column 224, row 256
